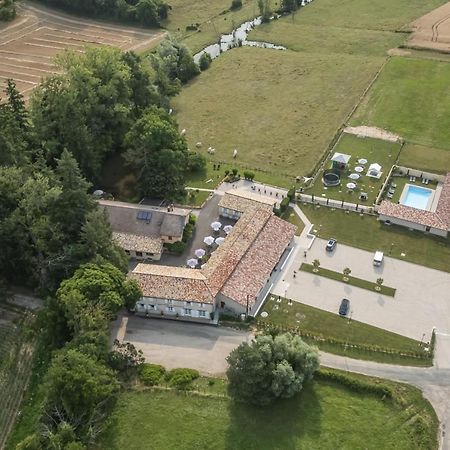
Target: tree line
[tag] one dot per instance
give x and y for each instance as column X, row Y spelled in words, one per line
column 144, row 12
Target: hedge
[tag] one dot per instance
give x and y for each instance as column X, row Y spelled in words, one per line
column 355, row 384
column 182, row 378
column 151, row 374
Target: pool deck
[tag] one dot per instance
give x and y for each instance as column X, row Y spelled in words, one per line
column 437, row 195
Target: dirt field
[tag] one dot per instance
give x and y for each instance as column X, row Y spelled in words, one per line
column 432, row 31
column 29, row 43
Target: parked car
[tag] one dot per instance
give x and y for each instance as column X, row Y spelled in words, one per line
column 345, row 307
column 331, row 245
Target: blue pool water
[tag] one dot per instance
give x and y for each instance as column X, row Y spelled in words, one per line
column 416, row 197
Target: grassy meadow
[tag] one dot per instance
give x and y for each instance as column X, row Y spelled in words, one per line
column 411, row 98
column 325, row 415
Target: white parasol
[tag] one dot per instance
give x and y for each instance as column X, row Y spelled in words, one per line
column 199, row 253
column 209, row 240
column 354, row 176
column 227, row 228
column 220, row 240
column 216, row 226
column 362, row 161
column 351, row 185
column 192, row 263
column 359, row 169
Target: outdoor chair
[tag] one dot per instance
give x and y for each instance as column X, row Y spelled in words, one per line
column 389, row 196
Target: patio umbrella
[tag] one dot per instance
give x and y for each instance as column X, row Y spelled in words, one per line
column 359, row 169
column 199, row 253
column 227, row 228
column 220, row 240
column 192, row 262
column 354, row 176
column 362, row 161
column 351, row 185
column 216, row 226
column 209, row 240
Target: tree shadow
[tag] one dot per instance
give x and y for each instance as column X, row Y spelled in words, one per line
column 280, row 425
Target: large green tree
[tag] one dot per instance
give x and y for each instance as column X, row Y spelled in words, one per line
column 158, row 154
column 270, row 367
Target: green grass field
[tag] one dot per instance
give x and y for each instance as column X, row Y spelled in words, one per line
column 352, row 281
column 425, row 158
column 323, row 416
column 291, row 216
column 280, row 109
column 317, row 322
column 411, row 98
column 368, row 233
column 375, row 151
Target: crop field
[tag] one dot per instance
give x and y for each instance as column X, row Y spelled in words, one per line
column 29, row 44
column 281, row 109
column 432, row 31
column 411, row 98
column 15, row 365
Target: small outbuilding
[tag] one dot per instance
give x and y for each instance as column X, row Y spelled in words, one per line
column 340, row 161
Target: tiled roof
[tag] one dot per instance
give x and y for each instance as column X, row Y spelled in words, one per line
column 243, row 201
column 443, row 206
column 174, row 283
column 123, row 219
column 240, row 266
column 414, row 215
column 439, row 219
column 255, row 267
column 137, row 243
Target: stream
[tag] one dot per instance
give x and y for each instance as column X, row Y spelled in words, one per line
column 238, row 38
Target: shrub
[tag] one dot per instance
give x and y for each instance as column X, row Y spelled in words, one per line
column 176, row 247
column 355, row 384
column 192, row 219
column 188, row 230
column 249, row 175
column 151, row 374
column 284, row 204
column 205, row 61
column 234, row 172
column 291, row 194
column 236, row 4
column 182, row 378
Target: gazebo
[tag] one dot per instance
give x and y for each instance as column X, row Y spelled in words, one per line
column 374, row 171
column 340, row 161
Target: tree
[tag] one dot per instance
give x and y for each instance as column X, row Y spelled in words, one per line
column 125, row 358
column 380, row 281
column 205, row 61
column 288, row 5
column 264, row 10
column 78, row 391
column 316, row 265
column 159, row 154
column 270, row 367
column 7, row 10
column 346, row 273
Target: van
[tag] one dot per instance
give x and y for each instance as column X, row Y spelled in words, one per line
column 378, row 258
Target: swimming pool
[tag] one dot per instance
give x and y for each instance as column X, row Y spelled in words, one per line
column 416, row 197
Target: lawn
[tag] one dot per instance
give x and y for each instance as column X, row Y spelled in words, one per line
column 291, row 216
column 411, row 98
column 352, row 281
column 428, row 159
column 374, row 151
column 325, row 415
column 368, row 233
column 340, row 333
column 280, row 109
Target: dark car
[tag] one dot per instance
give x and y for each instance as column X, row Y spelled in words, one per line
column 331, row 245
column 344, row 308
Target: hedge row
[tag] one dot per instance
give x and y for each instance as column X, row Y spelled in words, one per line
column 355, row 384
column 154, row 374
column 271, row 327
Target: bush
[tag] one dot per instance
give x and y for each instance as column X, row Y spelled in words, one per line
column 188, row 231
column 176, row 247
column 234, row 172
column 196, row 162
column 205, row 61
column 151, row 374
column 249, row 175
column 355, row 384
column 7, row 11
column 182, row 378
column 236, row 4
column 284, row 204
column 291, row 194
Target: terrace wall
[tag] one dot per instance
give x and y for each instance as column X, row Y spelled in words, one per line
column 420, row 174
column 331, row 203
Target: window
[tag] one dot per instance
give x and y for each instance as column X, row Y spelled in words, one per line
column 202, row 305
column 151, row 306
column 170, row 302
column 138, row 253
column 170, row 308
column 169, row 238
column 427, row 228
column 187, row 311
column 202, row 313
column 188, row 303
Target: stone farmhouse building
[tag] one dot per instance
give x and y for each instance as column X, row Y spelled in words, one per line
column 142, row 230
column 237, row 275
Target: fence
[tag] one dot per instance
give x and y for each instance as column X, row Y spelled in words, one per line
column 331, row 203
